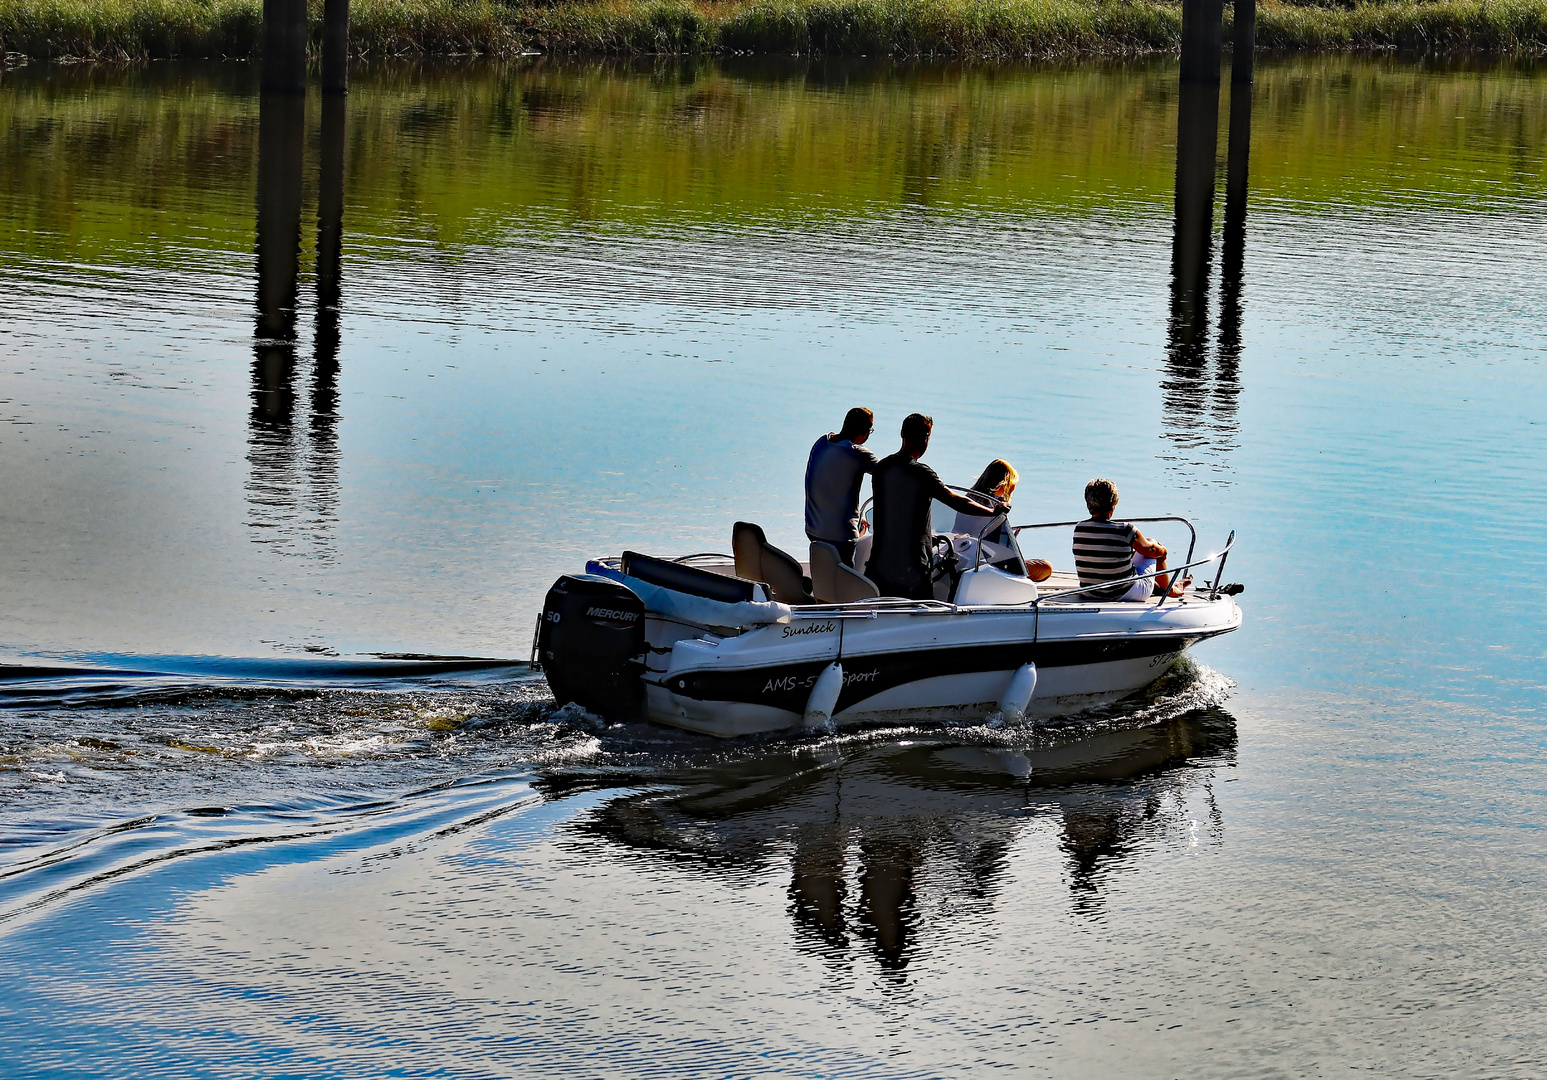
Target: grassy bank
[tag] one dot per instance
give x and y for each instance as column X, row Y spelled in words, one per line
column 955, row 29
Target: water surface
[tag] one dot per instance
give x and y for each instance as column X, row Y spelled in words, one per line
column 300, row 401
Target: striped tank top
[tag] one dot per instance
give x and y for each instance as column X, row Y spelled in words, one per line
column 1103, row 551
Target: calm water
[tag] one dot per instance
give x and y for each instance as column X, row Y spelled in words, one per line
column 300, row 403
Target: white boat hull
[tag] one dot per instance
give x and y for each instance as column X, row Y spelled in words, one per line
column 925, row 663
column 968, row 698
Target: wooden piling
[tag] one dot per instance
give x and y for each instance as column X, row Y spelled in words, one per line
column 1243, row 42
column 1202, row 40
column 335, row 46
column 284, row 46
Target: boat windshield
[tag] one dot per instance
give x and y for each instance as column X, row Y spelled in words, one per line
column 943, row 521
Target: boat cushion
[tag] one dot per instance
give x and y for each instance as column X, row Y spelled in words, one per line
column 834, row 582
column 689, row 579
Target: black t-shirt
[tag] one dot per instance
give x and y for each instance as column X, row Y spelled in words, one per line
column 903, row 490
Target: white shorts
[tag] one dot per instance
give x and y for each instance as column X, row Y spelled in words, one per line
column 1141, row 590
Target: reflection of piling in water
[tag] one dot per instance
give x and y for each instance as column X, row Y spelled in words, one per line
column 281, row 147
column 1197, row 125
column 1227, row 386
column 1200, row 404
column 293, row 479
column 330, row 243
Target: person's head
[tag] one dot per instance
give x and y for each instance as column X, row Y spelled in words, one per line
column 915, row 433
column 998, row 480
column 1100, row 498
column 857, row 425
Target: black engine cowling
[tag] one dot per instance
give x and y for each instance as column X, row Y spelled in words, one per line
column 591, row 643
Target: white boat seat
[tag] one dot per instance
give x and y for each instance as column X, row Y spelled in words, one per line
column 862, row 551
column 759, row 560
column 835, row 583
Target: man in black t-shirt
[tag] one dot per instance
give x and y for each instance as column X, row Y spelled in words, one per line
column 904, row 487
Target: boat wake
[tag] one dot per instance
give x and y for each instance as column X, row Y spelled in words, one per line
column 103, row 766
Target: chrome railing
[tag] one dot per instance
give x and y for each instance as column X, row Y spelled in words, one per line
column 1192, row 533
column 1219, row 556
column 943, row 607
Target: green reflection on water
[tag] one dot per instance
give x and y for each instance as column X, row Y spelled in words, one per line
column 138, row 166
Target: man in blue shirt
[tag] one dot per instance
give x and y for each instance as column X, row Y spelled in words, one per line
column 834, row 472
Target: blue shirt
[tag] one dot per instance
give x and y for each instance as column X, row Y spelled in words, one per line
column 833, row 476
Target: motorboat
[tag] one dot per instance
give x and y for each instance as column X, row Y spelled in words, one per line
column 732, row 644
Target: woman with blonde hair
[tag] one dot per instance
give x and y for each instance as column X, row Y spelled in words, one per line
column 998, row 481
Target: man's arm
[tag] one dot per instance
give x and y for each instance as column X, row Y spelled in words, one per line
column 965, row 505
column 1150, row 549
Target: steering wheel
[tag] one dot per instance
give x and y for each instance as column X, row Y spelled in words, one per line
column 942, row 557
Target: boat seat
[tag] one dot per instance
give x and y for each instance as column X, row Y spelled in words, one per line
column 759, row 560
column 834, row 582
column 747, row 542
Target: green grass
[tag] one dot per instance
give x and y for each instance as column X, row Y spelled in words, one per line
column 996, row 30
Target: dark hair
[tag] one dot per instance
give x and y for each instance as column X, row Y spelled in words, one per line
column 916, row 429
column 857, row 421
column 1100, row 496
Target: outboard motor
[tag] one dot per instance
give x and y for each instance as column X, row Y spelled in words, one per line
column 591, row 643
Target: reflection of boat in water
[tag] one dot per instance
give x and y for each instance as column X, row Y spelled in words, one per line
column 874, row 835
column 730, row 645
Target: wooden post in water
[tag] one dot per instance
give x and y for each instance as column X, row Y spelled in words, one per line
column 284, row 46
column 335, row 46
column 1243, row 43
column 1202, row 39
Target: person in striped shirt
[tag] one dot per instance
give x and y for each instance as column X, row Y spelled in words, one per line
column 1107, row 550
